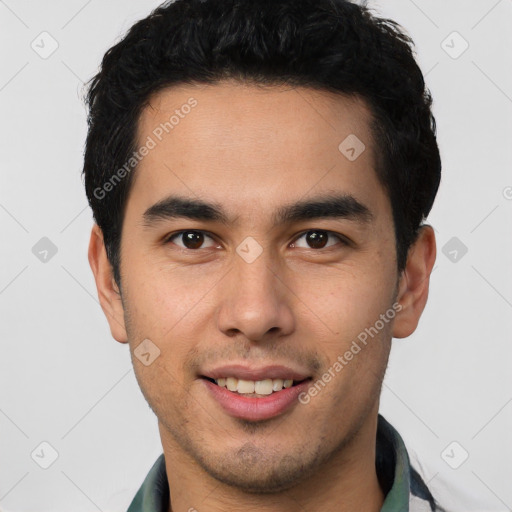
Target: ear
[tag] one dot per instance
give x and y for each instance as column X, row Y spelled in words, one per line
column 414, row 283
column 108, row 291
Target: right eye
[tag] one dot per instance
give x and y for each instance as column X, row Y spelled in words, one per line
column 191, row 239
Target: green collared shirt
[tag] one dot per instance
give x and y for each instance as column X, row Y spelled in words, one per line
column 405, row 495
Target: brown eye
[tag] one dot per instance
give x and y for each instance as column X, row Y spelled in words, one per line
column 190, row 239
column 318, row 239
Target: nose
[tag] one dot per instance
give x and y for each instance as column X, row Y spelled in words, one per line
column 255, row 301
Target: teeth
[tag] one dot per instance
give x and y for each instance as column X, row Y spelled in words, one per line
column 232, row 383
column 259, row 387
column 264, row 387
column 245, row 386
column 277, row 384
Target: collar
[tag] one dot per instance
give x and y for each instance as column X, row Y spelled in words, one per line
column 153, row 495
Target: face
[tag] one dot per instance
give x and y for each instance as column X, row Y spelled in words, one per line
column 248, row 287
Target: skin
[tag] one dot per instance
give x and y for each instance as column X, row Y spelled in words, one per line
column 253, row 149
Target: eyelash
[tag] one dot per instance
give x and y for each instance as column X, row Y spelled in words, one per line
column 343, row 240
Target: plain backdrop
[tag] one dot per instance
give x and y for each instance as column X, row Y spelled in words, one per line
column 66, row 383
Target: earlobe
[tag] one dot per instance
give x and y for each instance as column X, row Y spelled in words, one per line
column 414, row 283
column 108, row 291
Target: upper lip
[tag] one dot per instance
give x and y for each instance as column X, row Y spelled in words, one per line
column 245, row 372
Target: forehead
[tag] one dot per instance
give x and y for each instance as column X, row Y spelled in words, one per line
column 250, row 146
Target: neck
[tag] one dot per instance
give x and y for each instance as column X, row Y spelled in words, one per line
column 346, row 482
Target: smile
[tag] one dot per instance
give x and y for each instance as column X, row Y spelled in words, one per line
column 254, row 388
column 254, row 400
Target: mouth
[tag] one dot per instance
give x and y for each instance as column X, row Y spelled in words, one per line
column 255, row 394
column 255, row 388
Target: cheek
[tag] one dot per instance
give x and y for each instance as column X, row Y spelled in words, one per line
column 165, row 296
column 345, row 300
column 170, row 307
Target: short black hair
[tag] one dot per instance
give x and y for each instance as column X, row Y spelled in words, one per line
column 329, row 45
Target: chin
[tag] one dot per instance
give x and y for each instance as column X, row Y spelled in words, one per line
column 256, row 471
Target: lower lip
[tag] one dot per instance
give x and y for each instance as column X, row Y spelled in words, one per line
column 256, row 409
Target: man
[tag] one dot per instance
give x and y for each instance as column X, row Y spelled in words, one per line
column 259, row 173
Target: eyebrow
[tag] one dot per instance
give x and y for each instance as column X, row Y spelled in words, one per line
column 344, row 206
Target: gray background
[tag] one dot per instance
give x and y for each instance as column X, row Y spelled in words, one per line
column 66, row 382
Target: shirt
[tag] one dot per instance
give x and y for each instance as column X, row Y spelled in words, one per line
column 407, row 493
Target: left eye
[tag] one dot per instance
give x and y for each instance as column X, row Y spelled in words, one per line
column 318, row 239
column 191, row 239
